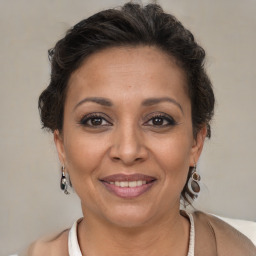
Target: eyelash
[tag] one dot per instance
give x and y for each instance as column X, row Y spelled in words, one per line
column 165, row 118
column 84, row 121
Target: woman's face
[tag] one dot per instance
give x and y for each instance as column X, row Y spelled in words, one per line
column 127, row 139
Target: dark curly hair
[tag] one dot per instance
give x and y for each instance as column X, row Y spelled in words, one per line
column 130, row 25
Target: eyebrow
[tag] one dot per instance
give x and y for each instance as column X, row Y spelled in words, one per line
column 98, row 100
column 147, row 102
column 153, row 101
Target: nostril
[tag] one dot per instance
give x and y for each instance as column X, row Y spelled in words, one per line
column 128, row 153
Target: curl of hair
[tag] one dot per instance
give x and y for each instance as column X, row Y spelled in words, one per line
column 130, row 25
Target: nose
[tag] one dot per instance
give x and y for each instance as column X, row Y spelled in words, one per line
column 128, row 146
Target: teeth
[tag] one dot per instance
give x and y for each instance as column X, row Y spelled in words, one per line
column 130, row 184
column 139, row 182
column 124, row 184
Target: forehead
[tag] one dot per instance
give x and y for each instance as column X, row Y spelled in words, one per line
column 120, row 71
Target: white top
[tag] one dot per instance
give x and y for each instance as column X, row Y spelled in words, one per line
column 74, row 249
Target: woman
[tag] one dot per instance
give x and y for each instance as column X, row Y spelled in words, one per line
column 130, row 104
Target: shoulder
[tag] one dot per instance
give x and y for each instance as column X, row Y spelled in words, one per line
column 223, row 238
column 56, row 245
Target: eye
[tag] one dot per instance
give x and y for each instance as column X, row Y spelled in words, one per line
column 160, row 120
column 94, row 120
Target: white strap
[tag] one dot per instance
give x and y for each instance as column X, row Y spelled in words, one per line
column 73, row 246
column 191, row 248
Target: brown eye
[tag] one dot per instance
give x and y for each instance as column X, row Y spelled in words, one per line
column 158, row 121
column 94, row 120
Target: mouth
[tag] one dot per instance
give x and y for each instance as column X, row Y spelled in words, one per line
column 128, row 186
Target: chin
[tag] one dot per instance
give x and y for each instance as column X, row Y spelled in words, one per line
column 129, row 217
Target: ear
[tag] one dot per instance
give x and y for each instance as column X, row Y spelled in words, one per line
column 198, row 146
column 58, row 139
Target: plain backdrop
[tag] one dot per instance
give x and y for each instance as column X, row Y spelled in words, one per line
column 31, row 201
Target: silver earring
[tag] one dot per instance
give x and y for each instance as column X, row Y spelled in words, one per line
column 64, row 181
column 194, row 182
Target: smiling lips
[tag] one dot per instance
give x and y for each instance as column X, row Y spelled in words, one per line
column 128, row 186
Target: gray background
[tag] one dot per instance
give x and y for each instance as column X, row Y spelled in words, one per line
column 31, row 202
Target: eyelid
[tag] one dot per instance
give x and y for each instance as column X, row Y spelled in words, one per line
column 165, row 116
column 87, row 117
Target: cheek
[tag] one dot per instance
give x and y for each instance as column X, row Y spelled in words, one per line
column 83, row 154
column 174, row 158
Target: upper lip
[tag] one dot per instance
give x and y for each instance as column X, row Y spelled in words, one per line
column 129, row 177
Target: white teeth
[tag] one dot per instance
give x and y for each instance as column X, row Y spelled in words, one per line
column 124, row 184
column 130, row 184
column 139, row 182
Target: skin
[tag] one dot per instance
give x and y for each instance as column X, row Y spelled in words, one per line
column 127, row 140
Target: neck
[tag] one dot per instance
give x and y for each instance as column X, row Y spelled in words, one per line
column 170, row 236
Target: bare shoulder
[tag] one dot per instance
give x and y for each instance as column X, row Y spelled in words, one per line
column 56, row 245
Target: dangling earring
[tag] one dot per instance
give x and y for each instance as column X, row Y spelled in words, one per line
column 64, row 181
column 194, row 182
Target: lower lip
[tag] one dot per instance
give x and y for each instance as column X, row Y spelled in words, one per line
column 128, row 192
